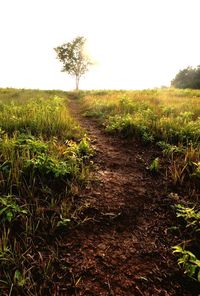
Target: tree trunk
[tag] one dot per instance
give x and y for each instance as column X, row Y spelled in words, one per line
column 77, row 82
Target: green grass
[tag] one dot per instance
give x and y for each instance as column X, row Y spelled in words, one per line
column 44, row 162
column 46, row 117
column 170, row 118
column 169, row 115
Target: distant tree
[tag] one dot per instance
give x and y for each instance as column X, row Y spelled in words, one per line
column 75, row 61
column 187, row 78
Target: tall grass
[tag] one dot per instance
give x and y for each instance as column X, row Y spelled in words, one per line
column 44, row 162
column 46, row 117
column 167, row 117
column 170, row 115
column 22, row 96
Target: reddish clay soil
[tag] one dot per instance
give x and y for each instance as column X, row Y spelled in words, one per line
column 123, row 247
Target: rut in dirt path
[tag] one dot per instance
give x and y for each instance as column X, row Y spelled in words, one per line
column 124, row 248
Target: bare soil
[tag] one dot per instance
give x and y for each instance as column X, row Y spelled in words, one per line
column 123, row 246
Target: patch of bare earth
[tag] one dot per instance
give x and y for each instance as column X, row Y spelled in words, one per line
column 124, row 245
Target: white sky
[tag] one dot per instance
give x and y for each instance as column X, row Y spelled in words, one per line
column 136, row 43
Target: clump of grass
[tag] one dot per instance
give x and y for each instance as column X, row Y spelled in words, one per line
column 155, row 165
column 188, row 250
column 26, row 159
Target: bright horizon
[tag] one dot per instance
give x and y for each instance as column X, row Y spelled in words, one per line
column 136, row 44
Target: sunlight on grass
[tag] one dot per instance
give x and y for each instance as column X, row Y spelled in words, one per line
column 44, row 162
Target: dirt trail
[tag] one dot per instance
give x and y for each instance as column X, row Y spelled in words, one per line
column 124, row 247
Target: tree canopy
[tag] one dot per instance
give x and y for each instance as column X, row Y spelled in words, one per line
column 74, row 58
column 187, row 78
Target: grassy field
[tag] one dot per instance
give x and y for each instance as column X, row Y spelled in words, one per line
column 44, row 161
column 169, row 119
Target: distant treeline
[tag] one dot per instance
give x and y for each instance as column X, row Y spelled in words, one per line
column 187, row 78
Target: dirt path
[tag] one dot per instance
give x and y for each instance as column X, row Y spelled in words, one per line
column 124, row 246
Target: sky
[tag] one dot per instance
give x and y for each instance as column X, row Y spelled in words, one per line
column 136, row 44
